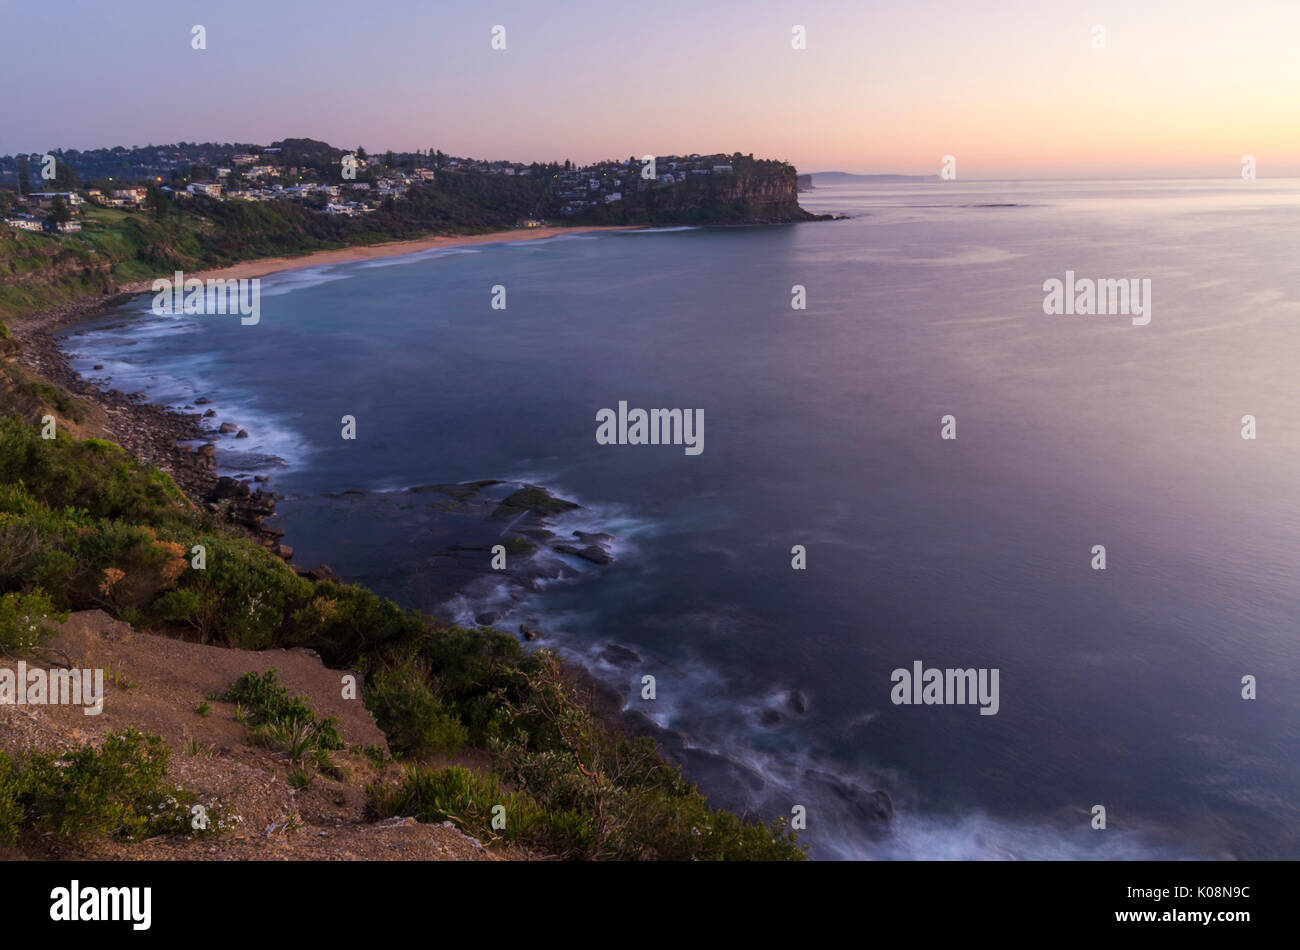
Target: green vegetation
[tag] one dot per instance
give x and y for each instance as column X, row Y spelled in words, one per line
column 115, row 790
column 579, row 789
column 283, row 722
column 26, row 619
column 83, row 525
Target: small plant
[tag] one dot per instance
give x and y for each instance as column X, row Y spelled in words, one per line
column 283, row 722
column 119, row 679
column 299, row 778
column 26, row 619
column 203, row 709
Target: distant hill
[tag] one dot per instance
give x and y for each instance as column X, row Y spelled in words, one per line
column 844, row 178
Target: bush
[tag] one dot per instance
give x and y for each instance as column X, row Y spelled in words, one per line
column 115, row 790
column 25, row 619
column 244, row 597
column 470, row 801
column 279, row 720
column 13, row 786
column 411, row 714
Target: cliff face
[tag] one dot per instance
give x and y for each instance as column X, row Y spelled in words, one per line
column 755, row 192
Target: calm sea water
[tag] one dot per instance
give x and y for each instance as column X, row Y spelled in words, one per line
column 822, row 428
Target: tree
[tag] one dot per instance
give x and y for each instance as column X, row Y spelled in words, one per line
column 361, row 152
column 156, row 200
column 24, row 177
column 60, row 211
column 65, row 177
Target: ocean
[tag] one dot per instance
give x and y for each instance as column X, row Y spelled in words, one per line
column 1120, row 688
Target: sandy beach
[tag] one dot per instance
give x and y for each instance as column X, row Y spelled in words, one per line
column 265, row 266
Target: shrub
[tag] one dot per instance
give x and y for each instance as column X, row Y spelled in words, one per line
column 25, row 619
column 470, row 801
column 115, row 790
column 279, row 720
column 411, row 714
column 13, row 786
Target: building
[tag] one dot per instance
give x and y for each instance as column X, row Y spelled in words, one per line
column 128, row 197
column 24, row 222
column 44, row 200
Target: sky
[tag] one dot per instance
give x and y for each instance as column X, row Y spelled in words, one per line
column 1011, row 89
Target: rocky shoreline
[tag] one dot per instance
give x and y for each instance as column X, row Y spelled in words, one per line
column 153, row 434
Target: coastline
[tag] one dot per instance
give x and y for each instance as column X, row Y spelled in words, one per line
column 265, row 266
column 153, row 433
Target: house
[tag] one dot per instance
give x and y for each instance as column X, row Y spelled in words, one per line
column 128, row 197
column 44, row 200
column 424, row 174
column 61, row 227
column 243, row 159
column 24, row 222
column 97, row 196
column 204, row 188
column 722, row 169
column 613, row 196
column 530, row 223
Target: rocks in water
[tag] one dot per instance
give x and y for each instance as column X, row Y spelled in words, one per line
column 209, row 414
column 619, row 655
column 873, row 808
column 529, row 632
column 227, row 428
column 486, row 619
column 322, row 572
column 241, row 434
column 98, row 366
column 593, row 537
column 244, row 506
column 769, row 717
column 207, row 456
column 284, row 551
column 797, row 702
column 592, row 552
column 532, row 500
column 202, row 401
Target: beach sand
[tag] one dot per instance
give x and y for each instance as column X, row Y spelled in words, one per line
column 264, row 266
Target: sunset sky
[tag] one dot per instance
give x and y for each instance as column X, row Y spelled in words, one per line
column 1012, row 88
